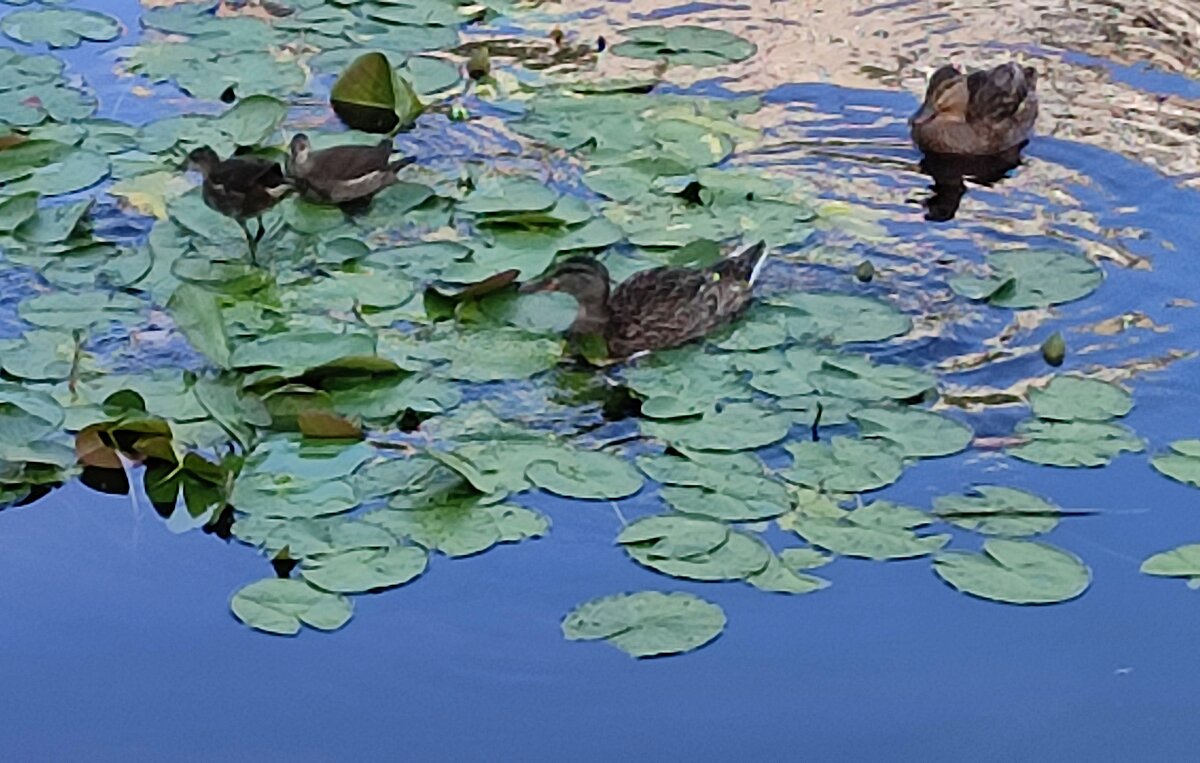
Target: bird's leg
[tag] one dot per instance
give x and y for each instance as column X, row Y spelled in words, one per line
column 258, row 237
column 250, row 241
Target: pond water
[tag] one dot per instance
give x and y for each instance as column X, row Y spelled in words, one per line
column 118, row 641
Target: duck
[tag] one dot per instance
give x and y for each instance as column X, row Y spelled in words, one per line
column 654, row 309
column 241, row 187
column 343, row 174
column 978, row 114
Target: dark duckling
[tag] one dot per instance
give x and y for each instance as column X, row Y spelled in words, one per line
column 241, row 187
column 981, row 113
column 342, row 174
column 658, row 308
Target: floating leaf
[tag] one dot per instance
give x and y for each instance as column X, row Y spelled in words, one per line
column 60, row 28
column 509, row 194
column 732, row 488
column 674, row 537
column 371, row 96
column 781, row 578
column 1073, row 443
column 1183, row 464
column 197, row 313
column 462, row 528
column 1180, row 562
column 842, row 318
column 1032, row 278
column 586, row 474
column 362, row 570
column 648, row 623
column 879, row 531
column 15, row 210
column 661, row 542
column 845, row 465
column 1073, row 398
column 1015, row 572
column 803, row 558
column 860, row 379
column 684, row 45
column 996, row 510
column 917, row 433
column 280, row 606
column 736, row 426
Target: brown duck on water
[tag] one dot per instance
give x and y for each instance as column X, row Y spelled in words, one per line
column 342, row 174
column 981, row 113
column 241, row 187
column 657, row 308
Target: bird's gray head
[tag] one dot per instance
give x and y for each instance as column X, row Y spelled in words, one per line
column 202, row 160
column 299, row 147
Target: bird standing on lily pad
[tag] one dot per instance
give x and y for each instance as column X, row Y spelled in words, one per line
column 657, row 308
column 342, row 175
column 241, row 187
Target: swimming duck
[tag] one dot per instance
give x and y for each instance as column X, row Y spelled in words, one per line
column 241, row 187
column 980, row 113
column 342, row 174
column 657, row 308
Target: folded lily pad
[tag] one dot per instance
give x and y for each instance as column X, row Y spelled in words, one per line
column 685, row 45
column 371, row 96
column 1180, row 562
column 1182, row 463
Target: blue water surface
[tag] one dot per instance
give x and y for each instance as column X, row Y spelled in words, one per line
column 116, row 641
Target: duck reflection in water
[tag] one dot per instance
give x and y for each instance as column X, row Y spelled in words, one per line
column 951, row 172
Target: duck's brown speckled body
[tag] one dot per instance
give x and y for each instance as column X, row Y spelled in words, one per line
column 342, row 174
column 657, row 308
column 981, row 113
column 241, row 187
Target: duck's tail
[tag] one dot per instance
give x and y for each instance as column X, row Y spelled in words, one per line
column 401, row 163
column 746, row 264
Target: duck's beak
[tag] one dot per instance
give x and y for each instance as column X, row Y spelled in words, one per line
column 924, row 115
column 549, row 284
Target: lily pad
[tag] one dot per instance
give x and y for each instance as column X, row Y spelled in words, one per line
column 1015, row 572
column 280, row 606
column 586, row 474
column 1182, row 463
column 997, row 510
column 780, row 578
column 648, row 623
column 732, row 488
column 361, row 570
column 880, row 531
column 371, row 96
column 917, row 433
column 845, row 465
column 1073, row 398
column 1180, row 562
column 684, row 45
column 1033, row 278
column 738, row 557
column 461, row 528
column 1074, row 443
column 60, row 27
column 736, row 426
column 675, row 537
column 841, row 318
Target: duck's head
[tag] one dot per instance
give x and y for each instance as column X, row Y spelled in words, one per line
column 946, row 96
column 202, row 160
column 300, row 147
column 586, row 280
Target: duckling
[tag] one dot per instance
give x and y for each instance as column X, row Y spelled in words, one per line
column 241, row 187
column 658, row 308
column 981, row 113
column 342, row 174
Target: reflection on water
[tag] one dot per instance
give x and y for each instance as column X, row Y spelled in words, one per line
column 951, row 173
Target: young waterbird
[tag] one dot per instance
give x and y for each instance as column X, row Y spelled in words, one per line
column 657, row 308
column 241, row 187
column 981, row 113
column 342, row 174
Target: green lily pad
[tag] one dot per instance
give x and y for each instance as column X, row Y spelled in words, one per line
column 880, row 531
column 60, row 310
column 1015, row 572
column 1073, row 398
column 1182, row 464
column 509, row 194
column 287, row 496
column 736, row 426
column 280, row 606
column 648, row 623
column 1074, row 443
column 1180, row 562
column 674, row 536
column 372, row 96
column 845, row 465
column 361, row 570
column 661, row 543
column 858, row 378
column 16, row 210
column 1026, row 279
column 684, row 45
column 803, row 558
column 59, row 27
column 842, row 318
column 732, row 487
column 52, row 225
column 778, row 577
column 462, row 528
column 917, row 433
column 586, row 474
column 997, row 510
